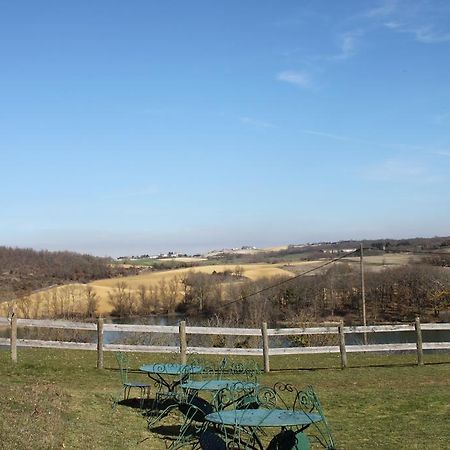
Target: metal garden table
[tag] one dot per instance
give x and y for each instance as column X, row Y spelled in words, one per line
column 217, row 385
column 250, row 420
column 169, row 376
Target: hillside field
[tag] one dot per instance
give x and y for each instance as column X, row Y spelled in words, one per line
column 251, row 271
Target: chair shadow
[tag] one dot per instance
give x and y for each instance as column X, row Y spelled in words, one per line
column 167, row 431
column 135, row 403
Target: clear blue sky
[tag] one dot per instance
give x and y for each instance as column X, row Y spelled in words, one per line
column 142, row 126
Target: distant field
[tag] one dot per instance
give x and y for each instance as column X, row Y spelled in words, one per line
column 250, row 271
column 148, row 262
column 153, row 279
column 390, row 259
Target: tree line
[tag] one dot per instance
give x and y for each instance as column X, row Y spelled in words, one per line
column 23, row 270
column 392, row 294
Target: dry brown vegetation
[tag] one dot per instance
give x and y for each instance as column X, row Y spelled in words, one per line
column 398, row 286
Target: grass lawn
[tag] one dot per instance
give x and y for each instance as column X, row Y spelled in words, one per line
column 58, row 399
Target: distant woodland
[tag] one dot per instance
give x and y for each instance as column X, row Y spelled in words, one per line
column 23, row 271
column 393, row 292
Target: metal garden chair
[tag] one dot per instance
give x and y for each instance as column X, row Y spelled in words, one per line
column 297, row 412
column 144, row 388
column 195, row 409
column 289, row 397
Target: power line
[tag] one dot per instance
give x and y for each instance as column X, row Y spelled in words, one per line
column 288, row 280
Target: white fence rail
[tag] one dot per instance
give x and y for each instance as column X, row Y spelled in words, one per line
column 182, row 330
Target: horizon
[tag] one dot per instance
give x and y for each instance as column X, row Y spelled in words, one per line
column 205, row 252
column 129, row 129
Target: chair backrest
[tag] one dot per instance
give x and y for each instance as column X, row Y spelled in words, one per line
column 287, row 396
column 209, row 369
column 245, row 371
column 122, row 361
column 225, row 368
column 241, row 395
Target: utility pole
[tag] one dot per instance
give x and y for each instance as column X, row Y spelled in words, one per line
column 363, row 291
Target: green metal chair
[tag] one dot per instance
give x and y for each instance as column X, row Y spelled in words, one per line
column 194, row 409
column 144, row 388
column 284, row 395
column 241, row 395
column 281, row 396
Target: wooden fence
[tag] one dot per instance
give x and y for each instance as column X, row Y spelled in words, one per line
column 183, row 349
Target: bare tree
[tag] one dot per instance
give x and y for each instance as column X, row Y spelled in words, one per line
column 122, row 300
column 91, row 301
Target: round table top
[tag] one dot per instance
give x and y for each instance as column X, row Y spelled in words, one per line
column 263, row 417
column 170, row 369
column 217, row 385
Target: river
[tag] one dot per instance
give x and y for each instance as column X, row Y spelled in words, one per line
column 198, row 340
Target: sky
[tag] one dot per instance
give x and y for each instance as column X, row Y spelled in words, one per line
column 148, row 126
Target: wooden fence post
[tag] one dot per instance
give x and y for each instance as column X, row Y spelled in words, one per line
column 363, row 292
column 100, row 343
column 183, row 342
column 342, row 349
column 419, row 342
column 265, row 339
column 13, row 339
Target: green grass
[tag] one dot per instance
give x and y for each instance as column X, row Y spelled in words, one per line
column 58, row 399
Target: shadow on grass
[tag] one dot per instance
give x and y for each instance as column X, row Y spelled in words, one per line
column 357, row 366
column 303, row 369
column 136, row 403
column 117, row 370
column 167, row 431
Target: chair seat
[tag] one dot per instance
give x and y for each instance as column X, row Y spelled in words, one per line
column 136, row 384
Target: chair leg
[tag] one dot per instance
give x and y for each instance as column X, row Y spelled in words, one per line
column 142, row 397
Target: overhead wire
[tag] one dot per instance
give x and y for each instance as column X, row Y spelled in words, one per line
column 357, row 251
column 245, row 297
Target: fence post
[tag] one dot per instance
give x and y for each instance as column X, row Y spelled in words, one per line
column 265, row 339
column 419, row 342
column 363, row 292
column 342, row 349
column 13, row 339
column 183, row 342
column 100, row 343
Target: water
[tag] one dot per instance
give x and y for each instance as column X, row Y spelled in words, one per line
column 397, row 337
column 199, row 340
